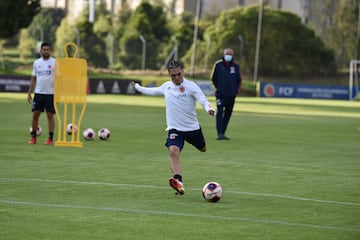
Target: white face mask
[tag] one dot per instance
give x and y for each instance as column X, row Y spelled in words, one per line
column 228, row 58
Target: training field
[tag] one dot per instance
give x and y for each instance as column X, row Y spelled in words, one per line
column 290, row 171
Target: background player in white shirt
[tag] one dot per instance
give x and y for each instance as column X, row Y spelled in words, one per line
column 42, row 79
column 181, row 119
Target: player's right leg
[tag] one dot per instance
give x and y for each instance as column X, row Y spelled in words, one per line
column 197, row 139
column 51, row 126
column 177, row 185
column 175, row 143
column 34, row 125
column 176, row 181
column 37, row 107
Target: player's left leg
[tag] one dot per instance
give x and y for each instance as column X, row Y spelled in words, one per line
column 229, row 105
column 34, row 125
column 197, row 139
column 51, row 127
column 219, row 118
column 50, row 111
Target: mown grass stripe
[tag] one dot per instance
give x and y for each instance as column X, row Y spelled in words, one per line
column 215, row 217
column 193, row 189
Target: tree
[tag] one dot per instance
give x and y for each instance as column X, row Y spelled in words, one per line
column 150, row 22
column 103, row 28
column 343, row 33
column 49, row 20
column 102, row 25
column 322, row 16
column 184, row 33
column 287, row 46
column 92, row 47
column 121, row 20
column 16, row 14
column 64, row 33
column 44, row 25
column 26, row 44
column 182, row 30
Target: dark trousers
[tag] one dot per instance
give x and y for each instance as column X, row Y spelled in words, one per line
column 225, row 107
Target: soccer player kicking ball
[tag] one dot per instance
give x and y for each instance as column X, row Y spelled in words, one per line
column 181, row 119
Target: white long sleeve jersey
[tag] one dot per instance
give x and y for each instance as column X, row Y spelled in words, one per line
column 180, row 103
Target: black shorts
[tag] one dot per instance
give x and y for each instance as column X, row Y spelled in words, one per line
column 178, row 138
column 43, row 101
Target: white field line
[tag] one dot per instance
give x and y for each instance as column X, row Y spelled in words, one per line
column 151, row 212
column 159, row 187
column 295, row 198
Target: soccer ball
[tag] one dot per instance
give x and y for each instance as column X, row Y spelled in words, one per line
column 212, row 191
column 89, row 134
column 104, row 134
column 38, row 130
column 69, row 128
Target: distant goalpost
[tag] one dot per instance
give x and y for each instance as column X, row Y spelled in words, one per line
column 354, row 80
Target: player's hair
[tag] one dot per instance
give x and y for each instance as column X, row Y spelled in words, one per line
column 227, row 49
column 175, row 64
column 45, row 44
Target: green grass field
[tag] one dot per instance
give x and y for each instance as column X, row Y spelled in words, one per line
column 290, row 171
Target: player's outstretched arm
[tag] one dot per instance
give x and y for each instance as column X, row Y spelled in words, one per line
column 147, row 90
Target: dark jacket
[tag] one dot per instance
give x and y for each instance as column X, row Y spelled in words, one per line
column 226, row 78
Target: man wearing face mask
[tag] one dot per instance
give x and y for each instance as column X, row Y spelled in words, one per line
column 226, row 78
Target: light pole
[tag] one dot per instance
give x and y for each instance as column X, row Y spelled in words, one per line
column 241, row 46
column 196, row 29
column 77, row 32
column 258, row 37
column 143, row 40
column 208, row 44
column 41, row 32
column 111, row 54
column 358, row 34
column 91, row 11
column 175, row 48
column 2, row 54
column 38, row 43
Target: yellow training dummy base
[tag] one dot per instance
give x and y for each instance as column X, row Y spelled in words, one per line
column 70, row 90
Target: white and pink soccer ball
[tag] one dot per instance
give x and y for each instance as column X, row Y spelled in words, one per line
column 89, row 134
column 212, row 191
column 38, row 130
column 70, row 128
column 104, row 134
